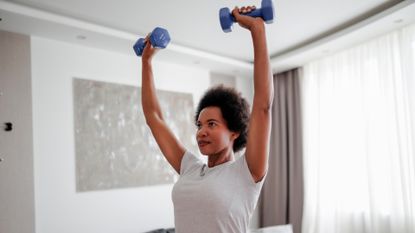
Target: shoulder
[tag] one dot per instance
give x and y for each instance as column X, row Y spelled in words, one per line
column 189, row 162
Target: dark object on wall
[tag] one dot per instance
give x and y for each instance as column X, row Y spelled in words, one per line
column 8, row 126
column 170, row 230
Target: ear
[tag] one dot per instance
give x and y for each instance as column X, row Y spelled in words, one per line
column 235, row 135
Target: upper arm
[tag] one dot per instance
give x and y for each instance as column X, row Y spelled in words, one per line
column 169, row 145
column 257, row 147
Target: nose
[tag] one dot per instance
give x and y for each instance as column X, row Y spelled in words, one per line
column 201, row 133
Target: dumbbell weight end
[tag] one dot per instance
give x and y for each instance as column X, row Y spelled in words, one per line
column 160, row 38
column 139, row 47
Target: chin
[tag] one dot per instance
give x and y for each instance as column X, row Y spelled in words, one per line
column 210, row 151
column 203, row 152
column 206, row 151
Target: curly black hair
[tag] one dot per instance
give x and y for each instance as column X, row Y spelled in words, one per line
column 234, row 109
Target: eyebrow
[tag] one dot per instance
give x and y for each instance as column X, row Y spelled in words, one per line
column 208, row 120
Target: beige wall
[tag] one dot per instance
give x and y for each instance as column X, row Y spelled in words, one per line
column 16, row 148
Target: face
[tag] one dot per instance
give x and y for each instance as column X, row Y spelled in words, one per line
column 213, row 135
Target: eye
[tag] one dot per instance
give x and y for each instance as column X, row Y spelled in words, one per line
column 198, row 125
column 211, row 124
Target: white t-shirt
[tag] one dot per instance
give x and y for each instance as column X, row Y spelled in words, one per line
column 219, row 199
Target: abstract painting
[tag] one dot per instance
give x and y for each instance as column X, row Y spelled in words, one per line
column 114, row 148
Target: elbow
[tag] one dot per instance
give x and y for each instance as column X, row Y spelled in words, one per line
column 263, row 110
column 266, row 108
column 268, row 105
column 264, row 100
column 152, row 118
column 149, row 121
column 271, row 97
column 264, row 104
column 269, row 102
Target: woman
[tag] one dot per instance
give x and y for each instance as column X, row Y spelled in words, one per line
column 219, row 196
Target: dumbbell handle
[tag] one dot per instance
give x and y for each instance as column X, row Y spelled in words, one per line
column 255, row 13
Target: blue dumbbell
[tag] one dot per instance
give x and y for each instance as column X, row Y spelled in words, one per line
column 266, row 12
column 159, row 38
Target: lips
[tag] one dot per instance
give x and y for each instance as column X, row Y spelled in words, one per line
column 203, row 143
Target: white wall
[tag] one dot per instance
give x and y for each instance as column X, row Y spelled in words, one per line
column 59, row 208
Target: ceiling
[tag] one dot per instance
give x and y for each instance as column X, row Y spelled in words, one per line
column 302, row 30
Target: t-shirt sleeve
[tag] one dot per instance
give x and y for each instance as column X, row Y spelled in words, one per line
column 246, row 173
column 189, row 162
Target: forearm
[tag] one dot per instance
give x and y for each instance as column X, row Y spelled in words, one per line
column 263, row 80
column 149, row 101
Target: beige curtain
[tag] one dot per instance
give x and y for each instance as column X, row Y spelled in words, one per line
column 282, row 194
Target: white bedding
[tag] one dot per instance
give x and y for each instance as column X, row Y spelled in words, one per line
column 274, row 229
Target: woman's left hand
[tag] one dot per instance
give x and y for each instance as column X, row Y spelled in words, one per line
column 246, row 21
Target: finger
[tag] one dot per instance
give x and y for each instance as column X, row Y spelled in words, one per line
column 250, row 8
column 235, row 11
column 147, row 38
column 146, row 46
column 243, row 10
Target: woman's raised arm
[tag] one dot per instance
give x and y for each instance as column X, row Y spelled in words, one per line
column 259, row 130
column 169, row 145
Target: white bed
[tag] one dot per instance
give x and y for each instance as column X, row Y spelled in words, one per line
column 274, row 229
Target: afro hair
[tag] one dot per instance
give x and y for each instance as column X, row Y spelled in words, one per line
column 234, row 109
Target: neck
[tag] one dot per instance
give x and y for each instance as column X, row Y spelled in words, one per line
column 222, row 157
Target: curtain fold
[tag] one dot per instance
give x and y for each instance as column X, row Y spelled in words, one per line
column 282, row 193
